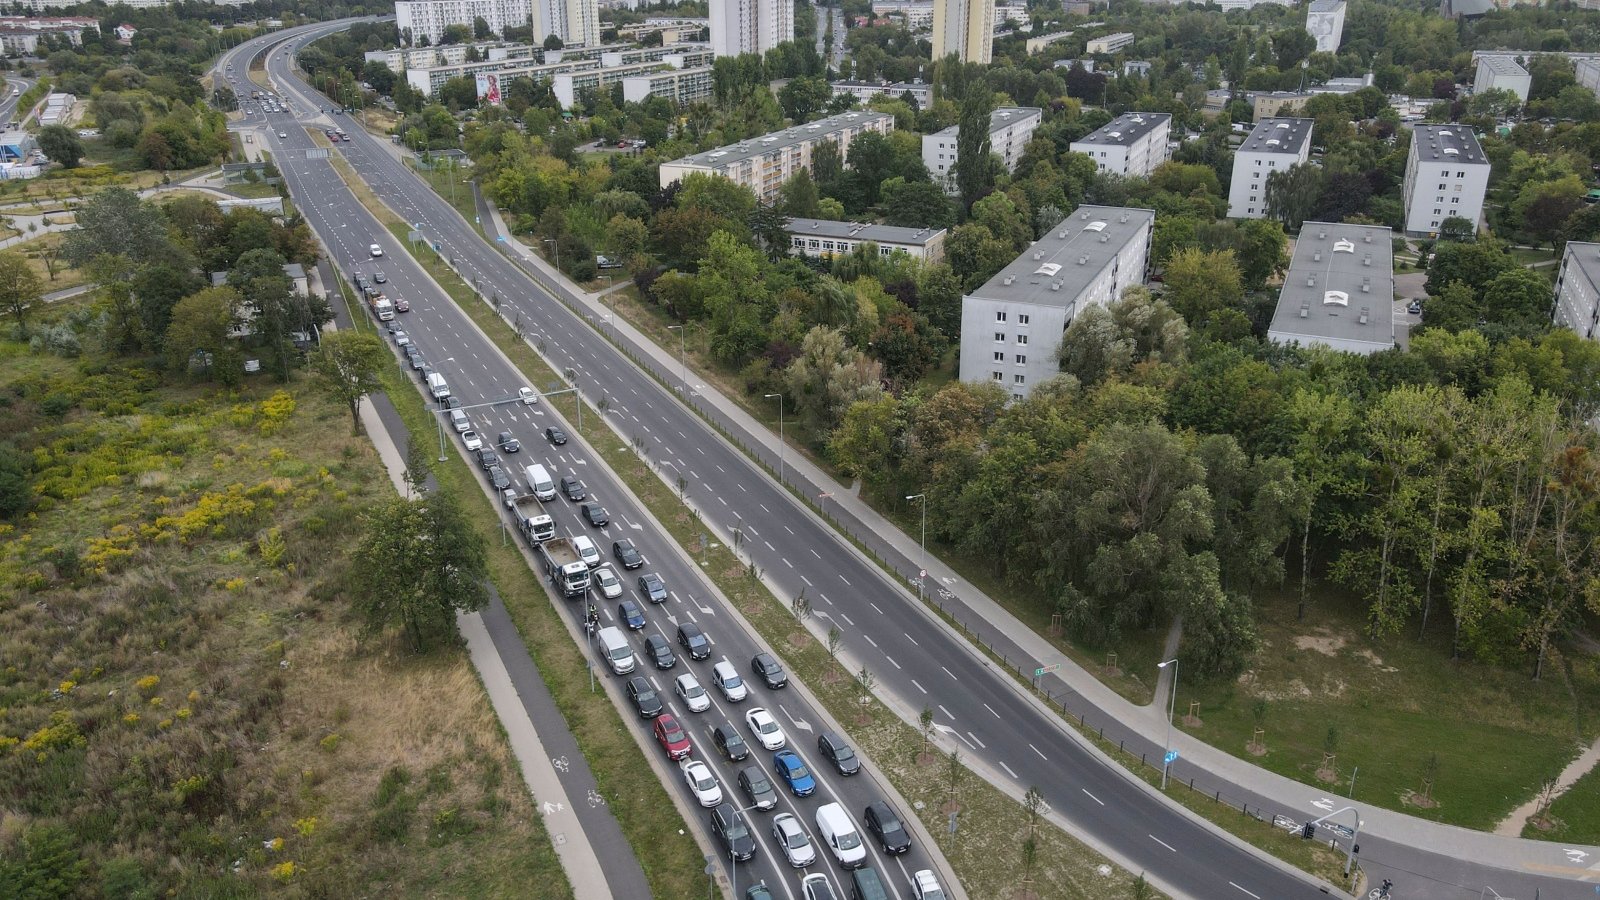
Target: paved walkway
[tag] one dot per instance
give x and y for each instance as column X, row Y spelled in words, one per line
column 1512, row 825
column 1082, row 693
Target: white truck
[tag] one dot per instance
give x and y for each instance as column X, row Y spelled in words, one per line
column 535, row 525
column 566, row 569
column 383, row 308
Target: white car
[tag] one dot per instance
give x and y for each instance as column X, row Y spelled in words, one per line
column 401, row 339
column 375, row 250
column 283, row 135
column 924, row 886
column 793, row 840
column 727, row 680
column 694, row 696
column 700, row 780
column 608, row 583
column 764, row 728
column 473, row 441
column 817, row 887
column 529, row 396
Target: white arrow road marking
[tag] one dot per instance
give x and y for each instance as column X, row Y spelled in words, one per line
column 801, row 724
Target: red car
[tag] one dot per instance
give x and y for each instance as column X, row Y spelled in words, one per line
column 401, row 305
column 672, row 738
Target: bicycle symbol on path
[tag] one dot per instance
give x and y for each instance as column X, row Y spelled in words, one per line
column 561, row 764
column 595, row 799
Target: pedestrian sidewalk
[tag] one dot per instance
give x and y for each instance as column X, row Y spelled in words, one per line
column 1142, row 727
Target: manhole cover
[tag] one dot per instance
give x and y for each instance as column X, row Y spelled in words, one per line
column 561, row 838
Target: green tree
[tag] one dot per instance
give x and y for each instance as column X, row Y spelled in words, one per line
column 1201, row 283
column 202, row 324
column 61, row 144
column 1293, row 193
column 115, row 223
column 45, row 865
column 419, row 562
column 1518, row 299
column 16, row 481
column 828, row 377
column 258, row 276
column 804, row 97
column 1543, row 207
column 916, row 204
column 1324, row 423
column 1474, row 264
column 347, row 368
column 973, row 172
column 799, row 198
column 20, row 288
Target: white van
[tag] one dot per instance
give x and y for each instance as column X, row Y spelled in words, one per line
column 437, row 386
column 587, row 551
column 616, row 649
column 459, row 421
column 841, row 836
column 540, row 483
column 727, row 680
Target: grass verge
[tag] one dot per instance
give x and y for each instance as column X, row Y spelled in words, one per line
column 1575, row 816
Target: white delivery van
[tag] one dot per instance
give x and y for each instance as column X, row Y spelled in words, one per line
column 616, row 649
column 437, row 386
column 841, row 836
column 540, row 483
column 587, row 551
column 459, row 421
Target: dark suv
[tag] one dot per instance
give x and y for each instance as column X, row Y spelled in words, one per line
column 694, row 641
column 768, row 669
column 728, row 824
column 836, row 751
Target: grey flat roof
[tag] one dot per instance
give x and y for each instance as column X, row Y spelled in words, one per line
column 1055, row 258
column 883, row 234
column 1447, row 143
column 1586, row 257
column 1000, row 118
column 1125, row 129
column 829, row 128
column 1351, row 257
column 1318, row 6
column 1278, row 135
column 1502, row 65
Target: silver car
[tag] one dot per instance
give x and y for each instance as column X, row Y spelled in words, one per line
column 792, row 838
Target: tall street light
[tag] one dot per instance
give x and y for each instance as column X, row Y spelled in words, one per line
column 923, row 497
column 683, row 355
column 781, row 441
column 1172, row 701
column 558, row 251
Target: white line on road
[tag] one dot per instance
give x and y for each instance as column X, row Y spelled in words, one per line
column 813, row 552
column 847, row 620
column 770, row 547
column 791, row 531
column 807, row 581
column 1093, row 797
column 1162, row 843
column 991, row 709
column 1257, row 896
column 950, row 673
column 946, row 712
column 1008, row 769
column 911, row 639
column 841, row 577
column 786, row 561
column 1041, row 755
column 891, row 661
column 919, row 687
column 975, row 738
column 871, row 641
column 875, row 606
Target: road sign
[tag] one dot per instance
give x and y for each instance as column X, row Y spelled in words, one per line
column 1172, row 757
column 1045, row 670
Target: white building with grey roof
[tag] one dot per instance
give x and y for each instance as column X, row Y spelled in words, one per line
column 1339, row 290
column 1502, row 73
column 1578, row 289
column 1272, row 146
column 1011, row 327
column 824, row 238
column 1325, row 24
column 1010, row 128
column 1446, row 175
column 763, row 164
column 1131, row 145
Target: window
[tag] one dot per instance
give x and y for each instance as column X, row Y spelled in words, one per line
column 1251, row 209
column 1252, row 198
column 998, row 376
column 1441, row 187
column 1019, row 379
column 1438, row 199
column 999, row 337
column 1455, row 199
column 1437, row 212
column 1022, row 359
column 999, row 356
column 1022, row 340
column 999, row 317
column 1461, row 174
column 1434, row 223
column 1255, row 174
column 1016, row 396
column 1022, row 319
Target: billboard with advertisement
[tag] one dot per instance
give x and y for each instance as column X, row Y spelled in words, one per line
column 489, row 88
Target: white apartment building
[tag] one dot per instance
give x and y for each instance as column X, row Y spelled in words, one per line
column 1325, row 22
column 918, row 13
column 965, row 28
column 1131, row 145
column 677, row 85
column 1011, row 327
column 1339, row 290
column 429, row 18
column 763, row 164
column 400, row 59
column 576, row 22
column 1446, row 175
column 823, row 238
column 750, row 26
column 1588, row 73
column 1502, row 73
column 1272, row 146
column 1578, row 290
column 1010, row 127
column 864, row 91
column 568, row 87
column 1110, row 43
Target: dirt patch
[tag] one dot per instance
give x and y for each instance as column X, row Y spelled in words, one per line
column 1418, row 801
column 1322, row 642
column 1376, row 660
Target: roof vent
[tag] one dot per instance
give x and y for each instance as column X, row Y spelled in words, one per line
column 1085, row 215
column 1366, row 238
column 1335, row 298
column 1083, row 260
column 1311, row 281
column 1317, row 256
column 1061, row 234
column 1095, row 226
column 1344, row 246
column 1305, row 311
column 1055, row 285
column 1038, row 254
column 1104, row 238
column 1123, row 219
column 1010, row 278
column 1322, row 234
column 1048, row 270
column 1367, row 260
column 1364, row 315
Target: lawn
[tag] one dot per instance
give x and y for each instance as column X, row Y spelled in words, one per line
column 1575, row 816
column 43, row 256
column 190, row 706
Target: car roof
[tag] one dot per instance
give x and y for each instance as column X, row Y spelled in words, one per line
column 688, row 677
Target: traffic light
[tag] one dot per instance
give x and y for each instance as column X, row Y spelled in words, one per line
column 1308, row 830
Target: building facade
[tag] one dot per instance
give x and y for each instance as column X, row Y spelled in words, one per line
column 1131, row 145
column 763, row 164
column 965, row 28
column 1339, row 290
column 1010, row 128
column 1273, row 145
column 864, row 91
column 1011, row 327
column 677, row 85
column 576, row 22
column 1502, row 73
column 1446, row 175
column 1325, row 23
column 1110, row 43
column 1578, row 290
column 429, row 18
column 823, row 238
column 750, row 26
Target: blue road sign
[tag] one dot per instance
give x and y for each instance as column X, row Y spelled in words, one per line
column 1172, row 756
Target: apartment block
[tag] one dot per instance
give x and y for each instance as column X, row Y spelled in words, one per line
column 1446, row 175
column 1325, row 23
column 918, row 13
column 763, row 164
column 823, row 238
column 1578, row 289
column 1011, row 327
column 864, row 91
column 750, row 26
column 965, row 28
column 1272, row 146
column 1010, row 127
column 399, row 59
column 1131, row 145
column 1110, row 43
column 568, row 87
column 429, row 18
column 677, row 85
column 1339, row 290
column 1502, row 73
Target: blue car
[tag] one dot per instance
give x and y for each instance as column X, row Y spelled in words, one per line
column 792, row 769
column 630, row 614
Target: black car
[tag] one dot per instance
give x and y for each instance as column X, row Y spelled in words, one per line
column 573, row 488
column 555, row 435
column 728, row 824
column 839, row 753
column 451, row 402
column 417, row 362
column 626, row 554
column 654, row 589
column 886, row 827
column 488, row 459
column 595, row 514
column 507, row 443
column 768, row 670
column 729, row 743
column 757, row 787
column 659, row 651
column 694, row 641
column 499, row 478
column 643, row 697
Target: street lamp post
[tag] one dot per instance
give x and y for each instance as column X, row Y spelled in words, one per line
column 1172, row 701
column 781, row 441
column 923, row 498
column 683, row 355
column 558, row 251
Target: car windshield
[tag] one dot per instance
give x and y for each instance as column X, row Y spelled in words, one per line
column 673, row 733
column 646, row 695
column 796, row 837
column 736, row 829
column 608, row 579
column 766, row 726
column 889, row 825
column 693, row 690
column 849, row 840
column 843, row 753
column 759, row 785
column 797, row 769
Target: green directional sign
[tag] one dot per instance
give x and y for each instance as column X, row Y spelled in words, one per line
column 1046, row 670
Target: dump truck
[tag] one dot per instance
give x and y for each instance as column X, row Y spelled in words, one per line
column 381, row 307
column 565, row 567
column 535, row 524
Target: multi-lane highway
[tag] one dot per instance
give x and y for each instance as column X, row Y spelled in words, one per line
column 478, row 374
column 916, row 659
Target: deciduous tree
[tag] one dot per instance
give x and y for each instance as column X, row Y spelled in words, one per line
column 419, row 562
column 346, row 368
